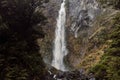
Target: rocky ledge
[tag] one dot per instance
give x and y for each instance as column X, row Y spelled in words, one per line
column 54, row 74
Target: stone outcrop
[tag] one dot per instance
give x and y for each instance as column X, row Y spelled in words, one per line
column 54, row 74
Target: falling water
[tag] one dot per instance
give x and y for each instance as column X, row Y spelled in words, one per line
column 60, row 51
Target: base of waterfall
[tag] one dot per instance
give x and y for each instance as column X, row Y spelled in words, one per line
column 54, row 74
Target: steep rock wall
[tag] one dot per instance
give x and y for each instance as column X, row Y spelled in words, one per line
column 81, row 14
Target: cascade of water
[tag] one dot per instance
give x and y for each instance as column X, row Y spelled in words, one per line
column 60, row 50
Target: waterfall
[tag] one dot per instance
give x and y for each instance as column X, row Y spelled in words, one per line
column 60, row 50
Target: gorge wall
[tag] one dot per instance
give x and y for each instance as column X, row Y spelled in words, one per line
column 81, row 27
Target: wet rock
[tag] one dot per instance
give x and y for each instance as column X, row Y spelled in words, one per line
column 91, row 76
column 54, row 74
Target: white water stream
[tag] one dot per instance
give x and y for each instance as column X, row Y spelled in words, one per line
column 60, row 50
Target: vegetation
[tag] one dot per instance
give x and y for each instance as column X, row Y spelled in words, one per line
column 114, row 3
column 109, row 66
column 19, row 56
column 20, row 28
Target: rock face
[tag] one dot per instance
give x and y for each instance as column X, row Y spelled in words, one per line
column 53, row 74
column 80, row 17
column 81, row 13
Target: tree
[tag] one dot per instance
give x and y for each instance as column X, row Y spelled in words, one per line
column 19, row 56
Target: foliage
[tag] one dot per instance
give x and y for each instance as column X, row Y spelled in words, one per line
column 114, row 3
column 109, row 66
column 19, row 56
